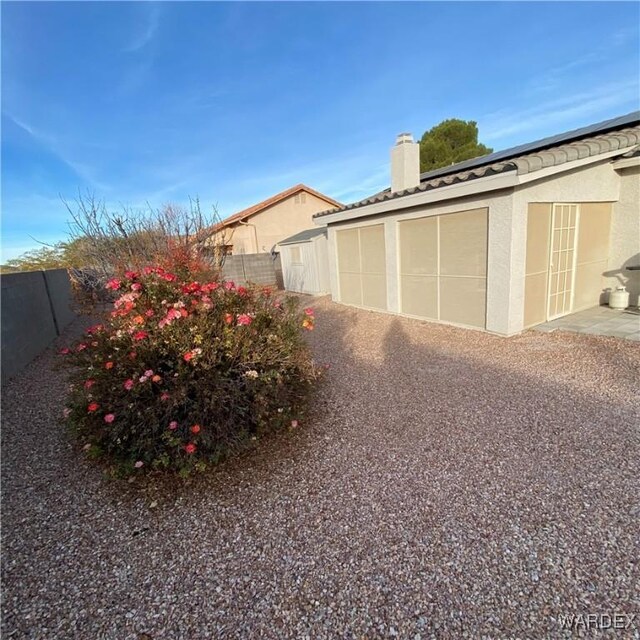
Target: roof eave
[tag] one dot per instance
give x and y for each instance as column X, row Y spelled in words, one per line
column 504, row 180
column 459, row 190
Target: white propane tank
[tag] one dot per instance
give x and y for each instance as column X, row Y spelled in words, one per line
column 619, row 298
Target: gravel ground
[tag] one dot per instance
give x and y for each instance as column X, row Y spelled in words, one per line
column 452, row 485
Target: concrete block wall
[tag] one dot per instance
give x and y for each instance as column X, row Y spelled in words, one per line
column 254, row 268
column 36, row 307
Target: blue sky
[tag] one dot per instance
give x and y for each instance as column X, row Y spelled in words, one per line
column 233, row 102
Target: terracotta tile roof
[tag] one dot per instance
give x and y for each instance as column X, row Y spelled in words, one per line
column 240, row 216
column 523, row 159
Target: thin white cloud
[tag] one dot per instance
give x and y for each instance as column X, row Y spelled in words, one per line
column 52, row 144
column 146, row 32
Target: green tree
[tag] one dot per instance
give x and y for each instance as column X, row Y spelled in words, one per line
column 46, row 257
column 449, row 142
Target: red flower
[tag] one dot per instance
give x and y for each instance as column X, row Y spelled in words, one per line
column 89, row 383
column 190, row 448
column 128, row 384
column 136, row 286
column 309, row 311
column 242, row 291
column 130, row 274
column 140, row 335
column 243, row 318
column 114, row 284
column 108, row 365
column 93, row 406
column 81, row 347
column 65, row 351
column 228, row 318
column 196, row 428
column 164, row 396
column 188, row 356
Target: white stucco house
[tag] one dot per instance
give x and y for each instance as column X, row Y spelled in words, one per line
column 499, row 243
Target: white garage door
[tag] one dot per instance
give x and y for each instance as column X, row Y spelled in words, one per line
column 362, row 266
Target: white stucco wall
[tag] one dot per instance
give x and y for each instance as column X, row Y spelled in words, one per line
column 624, row 248
column 507, row 233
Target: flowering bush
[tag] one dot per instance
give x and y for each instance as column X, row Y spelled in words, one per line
column 182, row 372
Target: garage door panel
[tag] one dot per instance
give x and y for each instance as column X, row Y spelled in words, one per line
column 372, row 249
column 350, row 288
column 463, row 300
column 419, row 242
column 463, row 243
column 374, row 291
column 348, row 251
column 420, row 296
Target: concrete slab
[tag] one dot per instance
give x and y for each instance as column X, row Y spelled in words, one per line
column 601, row 321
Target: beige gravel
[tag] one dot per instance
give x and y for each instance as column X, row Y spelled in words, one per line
column 452, row 484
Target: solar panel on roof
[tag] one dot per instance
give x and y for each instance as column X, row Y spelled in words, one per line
column 538, row 145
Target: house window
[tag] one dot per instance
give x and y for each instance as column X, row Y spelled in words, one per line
column 295, row 255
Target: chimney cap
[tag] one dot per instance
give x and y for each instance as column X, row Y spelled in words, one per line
column 404, row 138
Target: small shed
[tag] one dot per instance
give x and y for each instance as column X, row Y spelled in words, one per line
column 305, row 262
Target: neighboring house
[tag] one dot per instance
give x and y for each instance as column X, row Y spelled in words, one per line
column 260, row 227
column 501, row 242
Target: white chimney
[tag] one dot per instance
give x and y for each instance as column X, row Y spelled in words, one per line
column 405, row 163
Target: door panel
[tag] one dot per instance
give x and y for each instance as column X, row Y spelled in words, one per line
column 564, row 222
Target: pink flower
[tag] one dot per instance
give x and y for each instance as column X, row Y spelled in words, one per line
column 229, row 286
column 148, row 373
column 244, row 319
column 309, row 311
column 190, row 448
column 136, row 286
column 140, row 335
column 143, row 378
column 130, row 274
column 294, row 423
column 173, row 425
column 81, row 347
column 89, row 383
column 109, row 418
column 128, row 384
column 165, row 396
column 149, row 313
column 65, row 351
column 108, row 365
column 114, row 284
column 139, row 464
